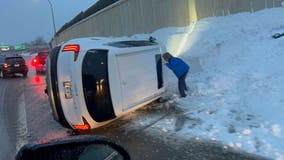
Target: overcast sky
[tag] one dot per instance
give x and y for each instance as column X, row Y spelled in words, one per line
column 24, row 20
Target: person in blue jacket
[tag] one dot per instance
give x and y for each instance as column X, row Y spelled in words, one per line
column 180, row 69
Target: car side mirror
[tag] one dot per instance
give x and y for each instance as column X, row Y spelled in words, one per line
column 82, row 148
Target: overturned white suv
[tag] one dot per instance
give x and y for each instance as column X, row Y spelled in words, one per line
column 92, row 81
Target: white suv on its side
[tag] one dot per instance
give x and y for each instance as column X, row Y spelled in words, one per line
column 92, row 81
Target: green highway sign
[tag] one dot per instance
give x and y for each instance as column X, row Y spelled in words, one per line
column 20, row 47
column 4, row 48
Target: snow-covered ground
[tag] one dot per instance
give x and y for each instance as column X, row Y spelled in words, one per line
column 236, row 83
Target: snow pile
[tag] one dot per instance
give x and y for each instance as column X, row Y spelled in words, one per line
column 237, row 95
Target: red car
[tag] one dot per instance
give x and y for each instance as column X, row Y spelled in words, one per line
column 39, row 61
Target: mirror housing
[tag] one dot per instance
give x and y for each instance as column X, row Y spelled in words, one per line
column 81, row 148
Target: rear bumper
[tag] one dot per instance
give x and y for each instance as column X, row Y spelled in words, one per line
column 52, row 88
column 13, row 71
column 51, row 95
column 41, row 68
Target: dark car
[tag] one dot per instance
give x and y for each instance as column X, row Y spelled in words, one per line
column 10, row 65
column 39, row 61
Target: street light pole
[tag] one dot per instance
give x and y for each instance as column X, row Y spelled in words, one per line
column 53, row 21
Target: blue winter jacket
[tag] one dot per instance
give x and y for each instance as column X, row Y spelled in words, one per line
column 178, row 66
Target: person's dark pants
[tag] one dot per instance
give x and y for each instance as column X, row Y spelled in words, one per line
column 182, row 85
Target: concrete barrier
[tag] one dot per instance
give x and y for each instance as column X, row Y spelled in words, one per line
column 128, row 17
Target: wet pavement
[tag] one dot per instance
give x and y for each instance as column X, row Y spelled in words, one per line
column 26, row 117
column 6, row 140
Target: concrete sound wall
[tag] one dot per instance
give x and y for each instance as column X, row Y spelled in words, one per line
column 127, row 17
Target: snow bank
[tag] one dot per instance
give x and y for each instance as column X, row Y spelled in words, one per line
column 237, row 93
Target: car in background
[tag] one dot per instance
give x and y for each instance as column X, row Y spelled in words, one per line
column 39, row 61
column 93, row 81
column 11, row 65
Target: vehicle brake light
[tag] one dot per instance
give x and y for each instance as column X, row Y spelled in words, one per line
column 74, row 48
column 35, row 61
column 83, row 127
column 5, row 65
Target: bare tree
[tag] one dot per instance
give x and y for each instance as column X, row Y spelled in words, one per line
column 39, row 41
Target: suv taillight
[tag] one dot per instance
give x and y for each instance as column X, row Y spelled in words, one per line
column 34, row 61
column 5, row 65
column 82, row 127
column 73, row 48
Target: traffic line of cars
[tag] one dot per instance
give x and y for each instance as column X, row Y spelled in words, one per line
column 11, row 64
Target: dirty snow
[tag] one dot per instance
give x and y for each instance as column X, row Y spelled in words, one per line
column 236, row 82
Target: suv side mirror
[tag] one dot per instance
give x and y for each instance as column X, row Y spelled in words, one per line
column 82, row 148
